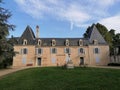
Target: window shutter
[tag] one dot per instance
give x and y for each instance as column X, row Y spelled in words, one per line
column 98, row 50
column 64, row 50
column 21, row 51
column 51, row 50
column 69, row 50
column 78, row 51
column 94, row 50
column 36, row 50
column 41, row 50
column 84, row 51
column 55, row 50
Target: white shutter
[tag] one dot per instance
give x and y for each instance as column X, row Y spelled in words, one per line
column 55, row 50
column 41, row 50
column 64, row 50
column 36, row 51
column 51, row 50
column 69, row 50
column 21, row 51
column 26, row 51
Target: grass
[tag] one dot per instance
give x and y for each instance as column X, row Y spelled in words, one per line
column 56, row 78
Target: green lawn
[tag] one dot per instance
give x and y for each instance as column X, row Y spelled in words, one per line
column 57, row 78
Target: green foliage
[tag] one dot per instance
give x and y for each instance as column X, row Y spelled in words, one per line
column 62, row 79
column 6, row 48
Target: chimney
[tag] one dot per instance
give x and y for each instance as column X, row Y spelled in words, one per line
column 37, row 31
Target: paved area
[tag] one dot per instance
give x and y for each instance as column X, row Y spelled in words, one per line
column 11, row 70
column 112, row 67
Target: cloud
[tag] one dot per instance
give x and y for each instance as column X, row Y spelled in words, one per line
column 112, row 22
column 79, row 13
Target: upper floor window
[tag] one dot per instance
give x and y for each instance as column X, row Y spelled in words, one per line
column 67, row 42
column 53, row 42
column 24, row 51
column 81, row 50
column 39, row 42
column 53, row 50
column 39, row 50
column 96, row 50
column 67, row 50
column 25, row 42
column 80, row 42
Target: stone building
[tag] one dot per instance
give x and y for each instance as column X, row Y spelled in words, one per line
column 33, row 50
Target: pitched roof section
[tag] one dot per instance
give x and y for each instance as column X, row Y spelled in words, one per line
column 28, row 34
column 62, row 41
column 94, row 34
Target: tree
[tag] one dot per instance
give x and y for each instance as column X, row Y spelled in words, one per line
column 4, row 32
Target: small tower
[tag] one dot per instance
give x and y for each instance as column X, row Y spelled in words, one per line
column 37, row 31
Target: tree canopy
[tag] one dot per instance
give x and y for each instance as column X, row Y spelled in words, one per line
column 6, row 48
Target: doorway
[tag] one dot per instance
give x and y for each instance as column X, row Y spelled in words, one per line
column 81, row 60
column 39, row 61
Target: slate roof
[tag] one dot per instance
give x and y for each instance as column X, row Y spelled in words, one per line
column 62, row 41
column 94, row 34
column 28, row 34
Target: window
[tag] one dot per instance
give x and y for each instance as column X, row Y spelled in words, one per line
column 53, row 42
column 67, row 50
column 25, row 42
column 23, row 60
column 81, row 50
column 95, row 42
column 67, row 42
column 53, row 50
column 25, row 51
column 96, row 51
column 80, row 42
column 39, row 42
column 39, row 50
column 53, row 60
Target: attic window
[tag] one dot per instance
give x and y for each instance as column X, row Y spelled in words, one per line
column 95, row 42
column 39, row 42
column 53, row 42
column 25, row 42
column 80, row 42
column 67, row 42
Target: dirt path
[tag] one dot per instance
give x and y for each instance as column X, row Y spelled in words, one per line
column 11, row 70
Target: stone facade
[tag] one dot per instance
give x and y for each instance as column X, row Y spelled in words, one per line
column 55, row 51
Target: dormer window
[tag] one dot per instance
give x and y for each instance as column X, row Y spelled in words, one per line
column 95, row 42
column 67, row 42
column 25, row 42
column 39, row 42
column 53, row 42
column 80, row 42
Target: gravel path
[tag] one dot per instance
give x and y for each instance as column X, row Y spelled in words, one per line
column 11, row 70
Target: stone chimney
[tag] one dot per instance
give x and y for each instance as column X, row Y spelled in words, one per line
column 37, row 31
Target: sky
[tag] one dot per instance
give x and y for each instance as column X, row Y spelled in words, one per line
column 62, row 18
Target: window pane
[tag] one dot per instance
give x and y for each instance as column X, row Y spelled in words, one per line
column 39, row 51
column 96, row 50
column 24, row 51
column 81, row 50
column 54, row 50
column 67, row 50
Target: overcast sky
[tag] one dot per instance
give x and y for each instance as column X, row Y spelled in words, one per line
column 63, row 18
